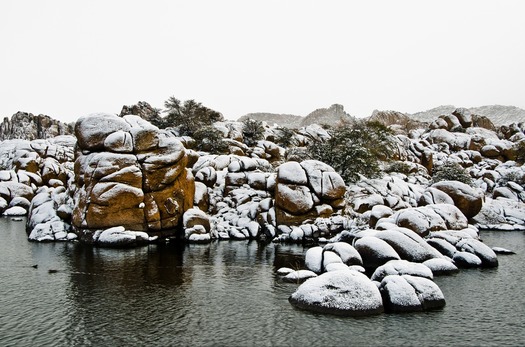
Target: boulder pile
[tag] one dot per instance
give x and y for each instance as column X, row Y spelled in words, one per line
column 128, row 173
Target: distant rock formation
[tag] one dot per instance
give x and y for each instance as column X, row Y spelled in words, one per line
column 332, row 116
column 26, row 126
column 284, row 120
column 396, row 119
column 498, row 114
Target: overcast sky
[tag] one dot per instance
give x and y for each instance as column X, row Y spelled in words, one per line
column 70, row 58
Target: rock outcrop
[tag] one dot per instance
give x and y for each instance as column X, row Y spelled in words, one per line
column 26, row 126
column 143, row 110
column 128, row 173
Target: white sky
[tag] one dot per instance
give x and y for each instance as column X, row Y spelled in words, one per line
column 70, row 58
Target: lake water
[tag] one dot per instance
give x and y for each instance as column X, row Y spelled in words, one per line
column 227, row 294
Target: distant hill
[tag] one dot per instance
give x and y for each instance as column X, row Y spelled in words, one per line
column 498, row 114
column 332, row 115
column 284, row 120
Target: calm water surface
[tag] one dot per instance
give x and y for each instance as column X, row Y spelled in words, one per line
column 227, row 294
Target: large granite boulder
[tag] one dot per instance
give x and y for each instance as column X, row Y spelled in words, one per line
column 307, row 190
column 342, row 292
column 410, row 293
column 469, row 200
column 128, row 173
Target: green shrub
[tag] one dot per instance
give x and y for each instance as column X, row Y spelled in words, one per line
column 209, row 139
column 400, row 167
column 187, row 117
column 354, row 149
column 451, row 171
column 285, row 137
column 252, row 131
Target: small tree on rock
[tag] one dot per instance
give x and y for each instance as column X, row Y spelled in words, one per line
column 451, row 171
column 252, row 131
column 354, row 149
column 210, row 139
column 187, row 116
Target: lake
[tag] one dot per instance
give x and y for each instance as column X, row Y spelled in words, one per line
column 228, row 294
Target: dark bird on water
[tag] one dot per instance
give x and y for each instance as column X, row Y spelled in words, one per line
column 35, row 266
column 52, row 271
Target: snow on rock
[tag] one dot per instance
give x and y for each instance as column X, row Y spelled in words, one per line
column 284, row 271
column 421, row 220
column 291, row 173
column 195, row 216
column 401, row 267
column 441, row 266
column 119, row 237
column 466, row 260
column 469, row 200
column 313, row 259
column 295, row 199
column 410, row 294
column 434, row 196
column 454, row 219
column 501, row 250
column 348, row 254
column 374, row 251
column 330, row 257
column 336, row 267
column 487, row 256
column 408, row 244
column 344, row 292
column 299, row 276
column 501, row 214
column 443, row 246
column 15, row 211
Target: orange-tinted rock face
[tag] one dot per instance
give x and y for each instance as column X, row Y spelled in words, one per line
column 128, row 173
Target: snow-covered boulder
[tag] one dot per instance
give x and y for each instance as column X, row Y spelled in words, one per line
column 401, row 267
column 469, row 200
column 443, row 246
column 15, row 211
column 307, row 190
column 487, row 256
column 409, row 245
column 466, row 260
column 441, row 266
column 374, row 251
column 313, row 259
column 348, row 254
column 120, row 237
column 410, row 293
column 343, row 292
column 299, row 276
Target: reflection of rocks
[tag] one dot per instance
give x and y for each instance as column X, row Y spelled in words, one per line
column 129, row 174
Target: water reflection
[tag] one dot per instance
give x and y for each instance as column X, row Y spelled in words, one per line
column 132, row 294
column 227, row 293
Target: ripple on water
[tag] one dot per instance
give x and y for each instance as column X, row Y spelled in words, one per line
column 227, row 293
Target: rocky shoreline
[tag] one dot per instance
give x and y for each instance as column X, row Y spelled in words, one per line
column 123, row 182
